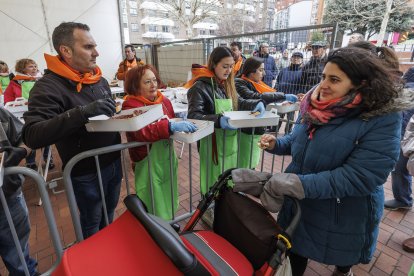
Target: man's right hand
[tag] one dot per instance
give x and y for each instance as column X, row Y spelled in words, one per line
column 99, row 107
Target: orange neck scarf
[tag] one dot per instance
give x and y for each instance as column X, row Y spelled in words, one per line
column 56, row 65
column 24, row 78
column 238, row 65
column 145, row 101
column 198, row 71
column 260, row 86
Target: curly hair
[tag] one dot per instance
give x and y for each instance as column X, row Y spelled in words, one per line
column 22, row 63
column 368, row 73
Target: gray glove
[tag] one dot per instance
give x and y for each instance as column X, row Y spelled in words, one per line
column 277, row 187
column 249, row 181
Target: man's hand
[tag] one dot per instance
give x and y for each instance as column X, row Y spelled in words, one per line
column 14, row 155
column 99, row 107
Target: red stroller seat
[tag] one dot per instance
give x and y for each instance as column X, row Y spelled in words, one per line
column 141, row 246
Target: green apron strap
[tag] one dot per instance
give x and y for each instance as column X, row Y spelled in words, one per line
column 26, row 87
column 4, row 82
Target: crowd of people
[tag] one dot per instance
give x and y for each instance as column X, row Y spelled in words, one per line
column 345, row 143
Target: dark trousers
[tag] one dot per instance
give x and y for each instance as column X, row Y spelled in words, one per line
column 299, row 264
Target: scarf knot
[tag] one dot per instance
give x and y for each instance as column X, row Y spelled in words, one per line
column 56, row 65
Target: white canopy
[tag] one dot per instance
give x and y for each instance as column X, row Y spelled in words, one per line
column 27, row 29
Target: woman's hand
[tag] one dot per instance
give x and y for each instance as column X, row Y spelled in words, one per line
column 267, row 141
column 301, row 96
column 259, row 108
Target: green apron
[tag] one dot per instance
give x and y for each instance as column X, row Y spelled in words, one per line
column 26, row 87
column 161, row 180
column 230, row 154
column 244, row 151
column 4, row 82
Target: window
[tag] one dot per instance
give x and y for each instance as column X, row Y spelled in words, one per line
column 211, row 32
column 165, row 29
column 124, row 11
column 202, row 32
column 176, row 30
column 133, row 12
column 152, row 28
column 133, row 4
column 134, row 27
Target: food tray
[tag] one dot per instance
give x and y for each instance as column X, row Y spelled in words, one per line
column 104, row 123
column 205, row 128
column 283, row 107
column 18, row 107
column 241, row 119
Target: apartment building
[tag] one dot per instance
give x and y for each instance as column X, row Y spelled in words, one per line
column 149, row 21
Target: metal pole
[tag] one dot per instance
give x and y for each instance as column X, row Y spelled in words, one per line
column 190, row 170
column 125, row 173
column 98, row 170
column 170, row 149
column 150, row 179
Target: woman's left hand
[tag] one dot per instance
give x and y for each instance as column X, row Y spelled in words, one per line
column 259, row 108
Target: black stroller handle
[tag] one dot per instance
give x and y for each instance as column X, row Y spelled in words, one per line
column 169, row 244
column 295, row 220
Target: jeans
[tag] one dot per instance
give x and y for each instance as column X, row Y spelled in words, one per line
column 88, row 198
column 8, row 251
column 31, row 158
column 401, row 181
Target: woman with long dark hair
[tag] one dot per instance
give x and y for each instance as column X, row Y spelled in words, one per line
column 212, row 92
column 342, row 151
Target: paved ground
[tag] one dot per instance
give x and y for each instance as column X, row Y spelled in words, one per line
column 389, row 258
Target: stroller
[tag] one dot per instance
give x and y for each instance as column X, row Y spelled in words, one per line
column 138, row 243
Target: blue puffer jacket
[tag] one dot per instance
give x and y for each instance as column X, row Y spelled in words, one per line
column 342, row 170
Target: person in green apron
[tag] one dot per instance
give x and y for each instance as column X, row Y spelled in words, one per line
column 156, row 170
column 4, row 76
column 26, row 75
column 251, row 86
column 212, row 92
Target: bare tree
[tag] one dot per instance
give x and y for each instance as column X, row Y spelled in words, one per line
column 190, row 12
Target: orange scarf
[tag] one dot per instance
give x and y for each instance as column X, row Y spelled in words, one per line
column 145, row 101
column 23, row 78
column 56, row 65
column 198, row 71
column 260, row 86
column 238, row 65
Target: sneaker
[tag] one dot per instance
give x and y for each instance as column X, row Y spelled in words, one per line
column 339, row 273
column 393, row 204
column 32, row 166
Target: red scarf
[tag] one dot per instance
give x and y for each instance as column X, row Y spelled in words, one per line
column 316, row 112
column 56, row 65
column 260, row 86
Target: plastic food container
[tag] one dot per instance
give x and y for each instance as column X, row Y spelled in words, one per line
column 283, row 107
column 17, row 107
column 205, row 128
column 241, row 119
column 104, row 123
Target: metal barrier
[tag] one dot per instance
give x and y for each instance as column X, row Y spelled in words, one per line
column 173, row 59
column 47, row 207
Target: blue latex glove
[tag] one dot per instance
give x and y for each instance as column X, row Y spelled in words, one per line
column 291, row 98
column 182, row 126
column 261, row 108
column 224, row 123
